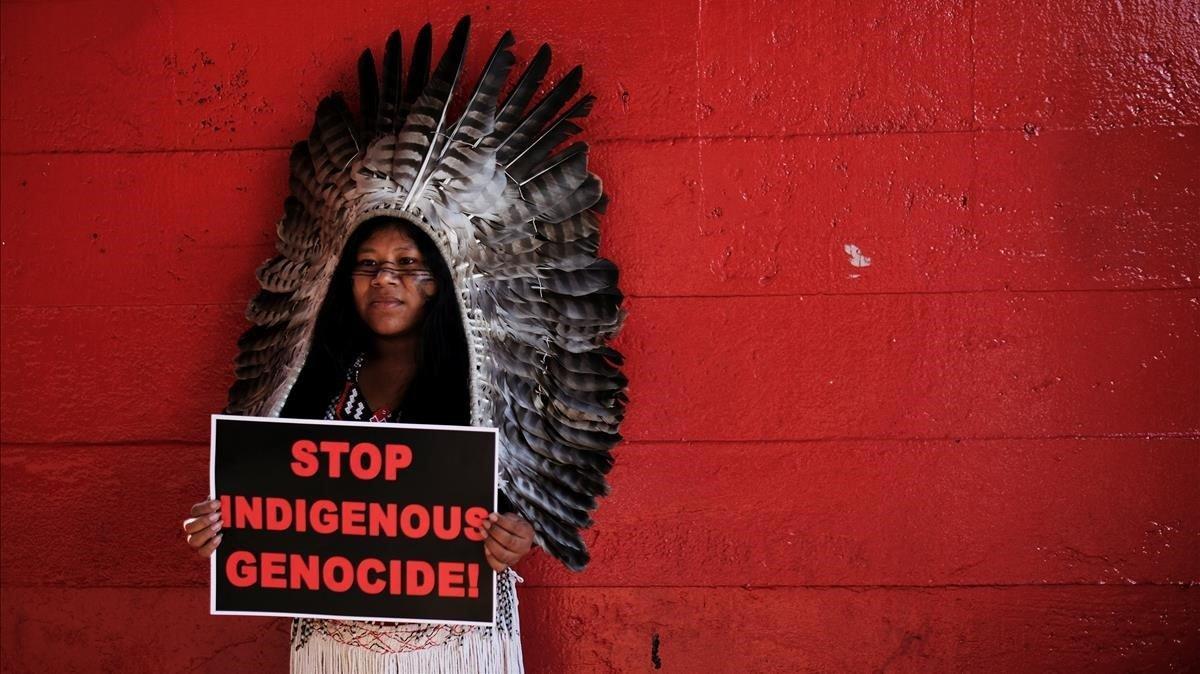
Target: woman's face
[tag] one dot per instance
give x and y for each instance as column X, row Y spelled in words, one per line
column 391, row 283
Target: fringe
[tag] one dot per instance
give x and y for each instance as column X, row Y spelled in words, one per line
column 484, row 650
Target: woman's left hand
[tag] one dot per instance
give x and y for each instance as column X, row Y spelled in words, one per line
column 507, row 539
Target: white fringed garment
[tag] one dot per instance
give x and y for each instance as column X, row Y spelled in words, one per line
column 482, row 650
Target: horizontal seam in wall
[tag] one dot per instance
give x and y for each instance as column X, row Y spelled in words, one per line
column 731, row 296
column 645, row 139
column 1173, row 435
column 1182, row 584
column 886, row 293
column 1180, row 435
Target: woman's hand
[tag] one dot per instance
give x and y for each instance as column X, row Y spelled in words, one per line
column 507, row 539
column 203, row 527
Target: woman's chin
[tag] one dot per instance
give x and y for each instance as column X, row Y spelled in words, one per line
column 392, row 318
column 391, row 329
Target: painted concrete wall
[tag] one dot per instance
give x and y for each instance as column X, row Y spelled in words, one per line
column 914, row 334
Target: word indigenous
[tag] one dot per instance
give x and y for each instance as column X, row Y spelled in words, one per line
column 352, row 518
column 362, row 461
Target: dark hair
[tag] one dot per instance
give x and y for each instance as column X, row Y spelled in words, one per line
column 439, row 394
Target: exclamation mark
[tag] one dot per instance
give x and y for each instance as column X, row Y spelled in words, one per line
column 472, row 580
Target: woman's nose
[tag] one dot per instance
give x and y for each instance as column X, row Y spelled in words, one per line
column 394, row 274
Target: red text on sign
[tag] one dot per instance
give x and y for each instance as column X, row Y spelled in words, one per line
column 414, row 578
column 365, row 460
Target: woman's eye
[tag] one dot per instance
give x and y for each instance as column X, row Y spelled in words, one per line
column 408, row 260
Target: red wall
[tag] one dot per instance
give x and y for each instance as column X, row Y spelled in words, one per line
column 981, row 452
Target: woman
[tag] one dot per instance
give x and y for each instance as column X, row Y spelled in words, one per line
column 389, row 346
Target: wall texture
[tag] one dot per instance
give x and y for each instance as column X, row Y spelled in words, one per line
column 914, row 334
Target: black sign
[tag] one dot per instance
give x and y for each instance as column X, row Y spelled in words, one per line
column 352, row 520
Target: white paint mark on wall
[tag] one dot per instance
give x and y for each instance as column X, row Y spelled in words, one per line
column 857, row 259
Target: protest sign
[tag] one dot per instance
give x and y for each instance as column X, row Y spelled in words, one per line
column 352, row 520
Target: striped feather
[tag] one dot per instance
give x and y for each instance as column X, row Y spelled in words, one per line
column 513, row 107
column 433, row 106
column 479, row 113
column 546, row 109
column 281, row 274
column 531, row 158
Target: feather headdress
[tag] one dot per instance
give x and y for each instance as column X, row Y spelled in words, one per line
column 515, row 218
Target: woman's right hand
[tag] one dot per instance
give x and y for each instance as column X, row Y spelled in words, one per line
column 203, row 527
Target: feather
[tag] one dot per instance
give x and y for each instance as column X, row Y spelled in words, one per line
column 547, row 498
column 418, row 71
column 532, row 125
column 245, row 394
column 542, row 441
column 297, row 237
column 598, row 436
column 590, row 441
column 590, row 244
column 576, row 488
column 402, row 154
column 303, row 181
column 578, row 339
column 581, row 423
column 596, row 277
column 528, row 160
column 509, row 114
column 555, row 183
column 578, row 147
column 565, row 257
column 479, row 112
column 576, row 202
column 281, row 274
column 586, row 381
column 601, row 406
column 601, row 206
column 592, row 415
column 582, row 225
column 563, row 483
column 483, row 197
column 513, row 231
column 251, row 365
column 561, row 541
column 434, row 102
column 338, row 142
column 269, row 308
column 549, row 255
column 465, row 170
column 598, row 308
column 519, row 359
column 258, row 338
column 368, row 95
column 513, row 210
column 390, row 113
column 593, row 362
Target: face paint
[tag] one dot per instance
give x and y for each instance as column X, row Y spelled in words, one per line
column 391, row 284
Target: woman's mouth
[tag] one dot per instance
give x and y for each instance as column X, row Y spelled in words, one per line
column 387, row 302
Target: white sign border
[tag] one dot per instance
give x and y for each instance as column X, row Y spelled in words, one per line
column 212, row 491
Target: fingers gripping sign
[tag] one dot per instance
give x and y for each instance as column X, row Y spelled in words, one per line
column 507, row 540
column 203, row 528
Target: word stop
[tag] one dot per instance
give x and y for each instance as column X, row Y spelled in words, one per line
column 364, row 460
